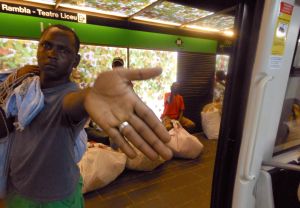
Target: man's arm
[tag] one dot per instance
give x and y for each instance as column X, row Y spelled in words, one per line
column 111, row 101
column 73, row 105
column 181, row 103
column 180, row 115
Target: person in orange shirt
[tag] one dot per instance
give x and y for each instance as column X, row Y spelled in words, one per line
column 173, row 109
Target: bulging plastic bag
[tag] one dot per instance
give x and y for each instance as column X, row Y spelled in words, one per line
column 210, row 120
column 182, row 143
column 142, row 163
column 99, row 166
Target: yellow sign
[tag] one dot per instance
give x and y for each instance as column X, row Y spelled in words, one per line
column 281, row 30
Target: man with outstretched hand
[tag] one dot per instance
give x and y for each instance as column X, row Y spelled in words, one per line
column 43, row 172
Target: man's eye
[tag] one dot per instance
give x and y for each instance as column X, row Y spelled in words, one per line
column 46, row 45
column 63, row 50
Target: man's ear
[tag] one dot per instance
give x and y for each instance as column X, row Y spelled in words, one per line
column 77, row 60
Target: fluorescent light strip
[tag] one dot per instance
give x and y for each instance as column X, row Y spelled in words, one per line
column 88, row 9
column 156, row 21
column 228, row 33
column 202, row 28
column 41, row 2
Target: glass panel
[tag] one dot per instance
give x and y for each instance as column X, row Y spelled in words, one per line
column 119, row 8
column 220, row 22
column 152, row 91
column 96, row 59
column 288, row 134
column 15, row 53
column 222, row 62
column 173, row 13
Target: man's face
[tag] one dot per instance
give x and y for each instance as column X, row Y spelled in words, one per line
column 57, row 54
column 175, row 87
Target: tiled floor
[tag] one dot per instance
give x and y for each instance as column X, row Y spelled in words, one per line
column 178, row 184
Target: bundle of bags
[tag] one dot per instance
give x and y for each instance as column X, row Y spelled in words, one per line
column 183, row 145
column 101, row 164
column 211, row 119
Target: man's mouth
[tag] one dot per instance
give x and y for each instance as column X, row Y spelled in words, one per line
column 50, row 65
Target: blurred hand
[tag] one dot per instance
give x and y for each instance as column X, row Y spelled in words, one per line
column 111, row 101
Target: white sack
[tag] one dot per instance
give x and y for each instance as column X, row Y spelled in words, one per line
column 210, row 120
column 99, row 166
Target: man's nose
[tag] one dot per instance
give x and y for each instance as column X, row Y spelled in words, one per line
column 52, row 53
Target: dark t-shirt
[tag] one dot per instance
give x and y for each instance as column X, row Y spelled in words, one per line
column 42, row 163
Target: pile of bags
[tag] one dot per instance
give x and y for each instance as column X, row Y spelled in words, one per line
column 100, row 164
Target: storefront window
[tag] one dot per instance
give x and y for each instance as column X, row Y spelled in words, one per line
column 222, row 62
column 152, row 91
column 15, row 53
column 96, row 59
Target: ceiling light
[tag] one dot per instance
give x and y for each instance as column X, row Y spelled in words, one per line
column 228, row 33
column 157, row 21
column 42, row 2
column 202, row 28
column 88, row 9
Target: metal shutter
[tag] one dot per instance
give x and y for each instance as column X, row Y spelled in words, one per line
column 196, row 76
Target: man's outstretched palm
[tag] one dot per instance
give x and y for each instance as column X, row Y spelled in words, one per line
column 112, row 101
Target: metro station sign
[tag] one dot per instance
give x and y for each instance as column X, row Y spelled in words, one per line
column 45, row 13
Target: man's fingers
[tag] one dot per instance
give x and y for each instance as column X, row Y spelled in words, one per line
column 150, row 137
column 115, row 135
column 130, row 133
column 140, row 74
column 145, row 113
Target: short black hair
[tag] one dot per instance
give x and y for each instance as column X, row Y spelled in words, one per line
column 117, row 62
column 65, row 28
column 220, row 75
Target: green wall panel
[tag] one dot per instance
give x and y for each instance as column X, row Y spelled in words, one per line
column 29, row 27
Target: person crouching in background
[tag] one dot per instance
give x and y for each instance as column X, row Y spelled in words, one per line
column 173, row 109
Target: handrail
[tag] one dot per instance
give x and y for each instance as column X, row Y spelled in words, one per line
column 247, row 175
column 281, row 165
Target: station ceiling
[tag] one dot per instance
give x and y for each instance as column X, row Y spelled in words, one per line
column 209, row 17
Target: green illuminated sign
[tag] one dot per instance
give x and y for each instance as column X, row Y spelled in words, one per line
column 29, row 27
